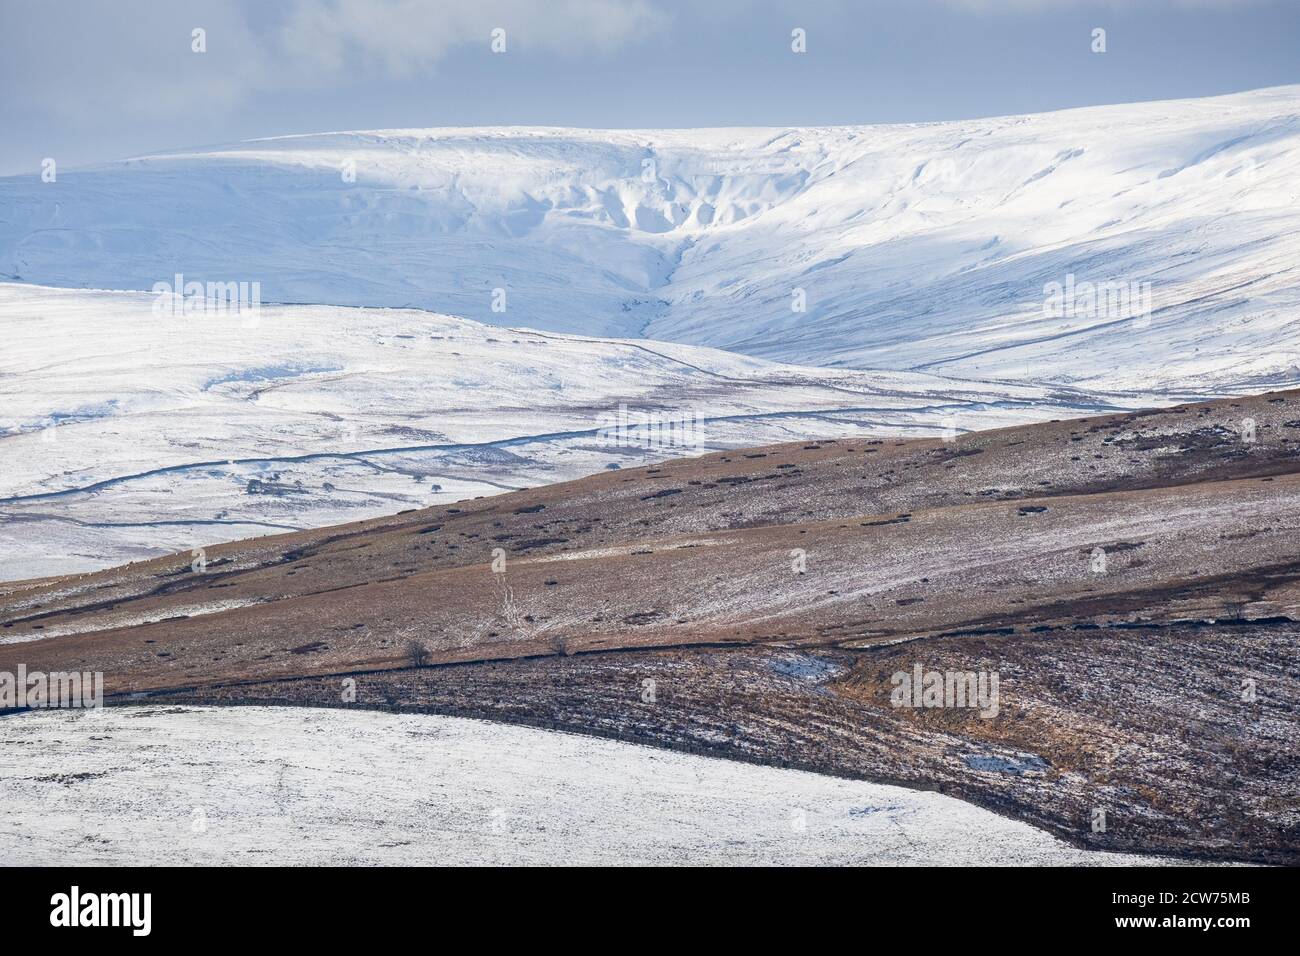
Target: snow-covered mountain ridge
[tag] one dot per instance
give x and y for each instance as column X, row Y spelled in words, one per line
column 923, row 247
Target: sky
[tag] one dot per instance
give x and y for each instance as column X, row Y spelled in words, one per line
column 88, row 81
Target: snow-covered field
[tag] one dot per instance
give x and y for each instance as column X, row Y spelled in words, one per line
column 921, row 253
column 170, row 785
column 126, row 434
column 920, row 246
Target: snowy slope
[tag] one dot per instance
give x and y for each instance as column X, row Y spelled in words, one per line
column 126, row 434
column 242, row 785
column 917, row 246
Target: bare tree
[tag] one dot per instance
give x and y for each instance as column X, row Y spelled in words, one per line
column 417, row 654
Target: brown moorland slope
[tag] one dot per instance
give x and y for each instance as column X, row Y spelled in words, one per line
column 1127, row 576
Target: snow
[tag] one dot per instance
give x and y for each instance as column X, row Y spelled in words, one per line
column 920, row 246
column 114, row 618
column 387, row 371
column 126, row 434
column 923, row 251
column 291, row 786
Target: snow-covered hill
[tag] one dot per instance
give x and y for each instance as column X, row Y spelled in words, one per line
column 127, row 433
column 921, row 247
column 240, row 785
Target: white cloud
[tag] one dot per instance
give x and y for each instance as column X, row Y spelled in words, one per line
column 405, row 36
column 81, row 59
column 133, row 57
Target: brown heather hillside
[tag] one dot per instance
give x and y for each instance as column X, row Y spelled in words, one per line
column 1123, row 575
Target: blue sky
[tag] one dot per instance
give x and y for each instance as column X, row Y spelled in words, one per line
column 92, row 80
